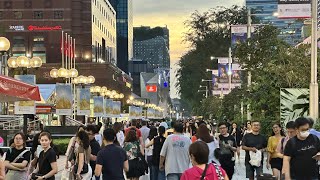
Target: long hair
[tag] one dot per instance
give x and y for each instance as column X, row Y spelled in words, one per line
column 117, row 127
column 153, row 133
column 131, row 136
column 281, row 131
column 204, row 134
column 84, row 138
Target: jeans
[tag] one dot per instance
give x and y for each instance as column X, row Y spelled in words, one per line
column 157, row 174
column 149, row 161
column 174, row 176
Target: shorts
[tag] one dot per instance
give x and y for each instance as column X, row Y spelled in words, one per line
column 276, row 163
column 251, row 169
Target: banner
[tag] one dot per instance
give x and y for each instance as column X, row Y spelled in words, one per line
column 25, row 107
column 223, row 73
column 108, row 107
column 139, row 110
column 132, row 112
column 238, row 34
column 63, row 99
column 98, row 106
column 150, row 113
column 83, row 99
column 294, row 9
column 236, row 74
column 116, row 108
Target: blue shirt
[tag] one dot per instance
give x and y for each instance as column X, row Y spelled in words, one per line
column 315, row 132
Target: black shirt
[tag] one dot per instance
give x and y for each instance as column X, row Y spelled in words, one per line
column 112, row 158
column 13, row 153
column 226, row 154
column 302, row 165
column 157, row 146
column 95, row 148
column 257, row 141
column 45, row 160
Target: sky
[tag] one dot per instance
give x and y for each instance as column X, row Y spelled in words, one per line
column 173, row 13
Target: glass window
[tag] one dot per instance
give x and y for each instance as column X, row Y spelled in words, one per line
column 38, row 15
column 17, row 14
column 58, row 14
column 38, row 41
column 18, row 41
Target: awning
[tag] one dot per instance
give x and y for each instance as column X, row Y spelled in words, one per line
column 14, row 90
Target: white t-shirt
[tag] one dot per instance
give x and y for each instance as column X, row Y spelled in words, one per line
column 164, row 124
column 98, row 138
column 149, row 149
column 120, row 138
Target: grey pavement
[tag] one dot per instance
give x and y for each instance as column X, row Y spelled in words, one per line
column 240, row 173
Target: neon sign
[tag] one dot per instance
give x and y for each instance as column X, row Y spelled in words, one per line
column 44, row 28
column 16, row 28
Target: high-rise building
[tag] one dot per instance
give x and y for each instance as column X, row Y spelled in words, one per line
column 34, row 28
column 146, row 32
column 124, row 32
column 290, row 29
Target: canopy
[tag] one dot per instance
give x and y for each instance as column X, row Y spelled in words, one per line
column 14, row 90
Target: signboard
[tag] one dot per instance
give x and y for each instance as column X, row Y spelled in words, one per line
column 294, row 9
column 16, row 28
column 25, row 107
column 98, row 106
column 108, row 107
column 236, row 74
column 223, row 73
column 44, row 28
column 83, row 99
column 151, row 88
column 150, row 113
column 116, row 108
column 132, row 112
column 63, row 99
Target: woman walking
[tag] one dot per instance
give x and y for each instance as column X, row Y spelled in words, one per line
column 117, row 127
column 17, row 159
column 134, row 151
column 204, row 135
column 47, row 161
column 82, row 169
column 275, row 158
column 149, row 150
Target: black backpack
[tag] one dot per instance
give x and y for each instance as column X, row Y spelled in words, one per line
column 157, row 146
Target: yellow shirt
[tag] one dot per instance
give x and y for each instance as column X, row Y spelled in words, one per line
column 272, row 146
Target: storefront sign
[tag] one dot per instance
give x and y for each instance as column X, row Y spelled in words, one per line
column 44, row 28
column 294, row 9
column 151, row 88
column 16, row 28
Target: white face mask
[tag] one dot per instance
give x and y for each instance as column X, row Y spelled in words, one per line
column 304, row 134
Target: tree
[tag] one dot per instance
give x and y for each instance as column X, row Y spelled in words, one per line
column 209, row 36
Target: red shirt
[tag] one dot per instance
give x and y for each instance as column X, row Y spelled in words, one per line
column 195, row 173
column 137, row 130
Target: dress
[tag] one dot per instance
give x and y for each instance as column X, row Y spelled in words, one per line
column 132, row 149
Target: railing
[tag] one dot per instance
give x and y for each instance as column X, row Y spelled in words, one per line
column 8, row 122
column 73, row 122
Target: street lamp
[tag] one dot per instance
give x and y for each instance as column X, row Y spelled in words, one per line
column 206, row 80
column 205, row 90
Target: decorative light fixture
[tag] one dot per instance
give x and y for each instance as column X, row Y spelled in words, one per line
column 12, row 62
column 35, row 62
column 91, row 79
column 23, row 61
column 4, row 44
column 73, row 73
column 54, row 73
column 62, row 72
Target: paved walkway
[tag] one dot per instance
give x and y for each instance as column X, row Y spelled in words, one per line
column 239, row 174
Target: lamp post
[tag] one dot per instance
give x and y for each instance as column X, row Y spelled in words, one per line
column 205, row 90
column 4, row 48
column 314, row 94
column 24, row 63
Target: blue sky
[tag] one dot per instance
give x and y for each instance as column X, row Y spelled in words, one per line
column 173, row 13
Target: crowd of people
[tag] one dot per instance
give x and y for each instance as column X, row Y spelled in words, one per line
column 186, row 150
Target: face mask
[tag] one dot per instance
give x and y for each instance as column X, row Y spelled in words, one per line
column 304, row 134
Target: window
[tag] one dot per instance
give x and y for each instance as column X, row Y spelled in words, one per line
column 18, row 41
column 38, row 41
column 17, row 15
column 1, row 14
column 58, row 14
column 38, row 15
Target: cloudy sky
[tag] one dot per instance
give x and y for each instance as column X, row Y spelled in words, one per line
column 173, row 13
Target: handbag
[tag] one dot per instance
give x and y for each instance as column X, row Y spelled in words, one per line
column 85, row 168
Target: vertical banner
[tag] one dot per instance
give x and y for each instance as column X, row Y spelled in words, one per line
column 223, row 72
column 139, row 109
column 25, row 107
column 63, row 99
column 238, row 34
column 132, row 112
column 294, row 9
column 236, row 74
column 108, row 106
column 98, row 106
column 83, row 99
column 116, row 109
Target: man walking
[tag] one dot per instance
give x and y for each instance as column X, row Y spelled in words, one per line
column 254, row 144
column 144, row 130
column 300, row 153
column 95, row 146
column 228, row 147
column 175, row 153
column 112, row 159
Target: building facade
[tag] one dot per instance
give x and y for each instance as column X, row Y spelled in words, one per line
column 124, row 32
column 290, row 29
column 155, row 51
column 34, row 28
column 136, row 67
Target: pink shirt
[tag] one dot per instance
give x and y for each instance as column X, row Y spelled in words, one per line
column 195, row 173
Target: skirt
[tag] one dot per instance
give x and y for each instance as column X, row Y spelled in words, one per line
column 137, row 168
column 16, row 175
column 276, row 163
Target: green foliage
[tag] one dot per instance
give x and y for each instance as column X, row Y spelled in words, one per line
column 61, row 144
